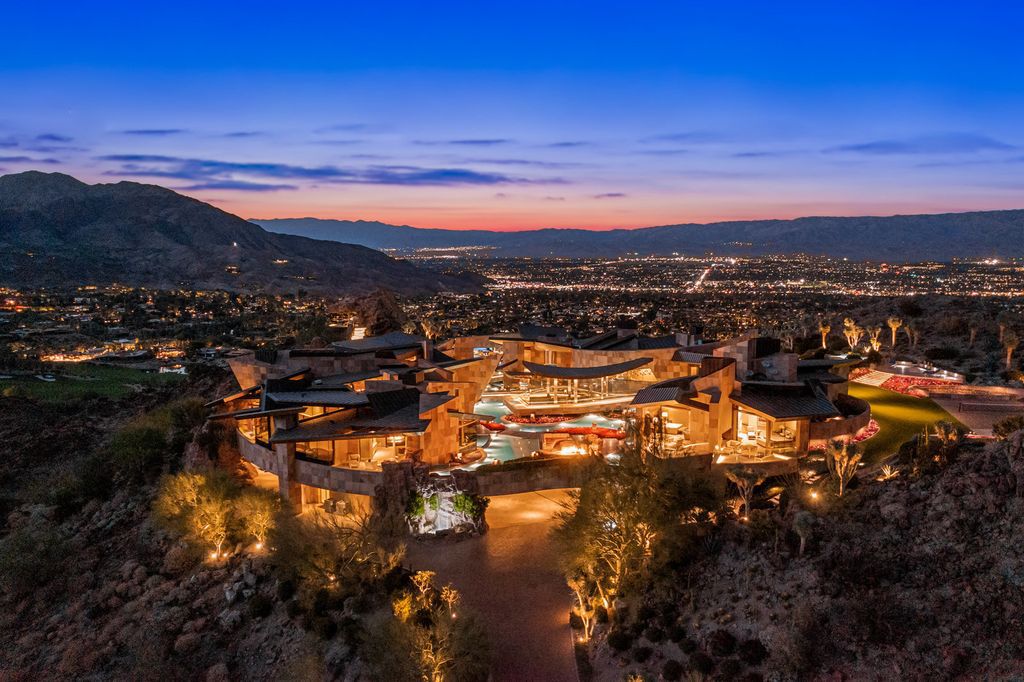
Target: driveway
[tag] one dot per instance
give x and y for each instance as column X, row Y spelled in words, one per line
column 510, row 578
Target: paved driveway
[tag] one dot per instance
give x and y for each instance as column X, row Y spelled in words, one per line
column 510, row 578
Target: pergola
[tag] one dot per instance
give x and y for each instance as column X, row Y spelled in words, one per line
column 558, row 381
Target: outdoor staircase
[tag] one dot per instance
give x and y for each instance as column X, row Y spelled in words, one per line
column 873, row 378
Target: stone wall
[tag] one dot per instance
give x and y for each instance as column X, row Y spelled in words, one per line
column 860, row 415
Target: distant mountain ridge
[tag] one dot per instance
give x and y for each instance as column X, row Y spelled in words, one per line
column 901, row 238
column 57, row 231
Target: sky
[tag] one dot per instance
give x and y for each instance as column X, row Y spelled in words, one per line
column 518, row 115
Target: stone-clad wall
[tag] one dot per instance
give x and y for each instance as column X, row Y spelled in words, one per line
column 846, row 426
column 258, row 455
column 358, row 481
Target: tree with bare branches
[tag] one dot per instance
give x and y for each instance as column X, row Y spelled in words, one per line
column 824, row 328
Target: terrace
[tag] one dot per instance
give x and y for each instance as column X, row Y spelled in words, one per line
column 552, row 389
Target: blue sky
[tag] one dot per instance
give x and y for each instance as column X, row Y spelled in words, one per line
column 517, row 115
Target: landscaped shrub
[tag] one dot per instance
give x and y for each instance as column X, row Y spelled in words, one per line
column 701, row 662
column 642, row 653
column 752, row 652
column 672, row 670
column 601, row 614
column 575, row 622
column 721, row 643
column 620, row 640
column 688, row 645
column 260, row 606
column 677, row 633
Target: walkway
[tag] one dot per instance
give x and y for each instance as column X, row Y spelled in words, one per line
column 873, row 378
column 510, row 578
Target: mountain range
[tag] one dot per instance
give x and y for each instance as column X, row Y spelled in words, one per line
column 901, row 238
column 57, row 231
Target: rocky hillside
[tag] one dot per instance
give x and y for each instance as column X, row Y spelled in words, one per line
column 57, row 231
column 914, row 578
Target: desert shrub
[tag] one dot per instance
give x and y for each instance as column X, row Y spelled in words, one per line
column 942, row 353
column 642, row 653
column 730, row 668
column 721, row 643
column 672, row 670
column 701, row 662
column 752, row 652
column 645, row 613
column 285, row 589
column 687, row 645
column 324, row 627
column 654, row 634
column 620, row 640
column 601, row 614
column 575, row 622
column 260, row 606
column 677, row 633
column 31, row 557
column 910, row 307
column 137, row 451
column 293, row 608
column 1007, row 426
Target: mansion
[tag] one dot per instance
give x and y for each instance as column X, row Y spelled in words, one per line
column 324, row 423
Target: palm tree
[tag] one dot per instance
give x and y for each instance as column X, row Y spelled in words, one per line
column 894, row 324
column 972, row 327
column 824, row 328
column 913, row 335
column 1010, row 343
column 1003, row 321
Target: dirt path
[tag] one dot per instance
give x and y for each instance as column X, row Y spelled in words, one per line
column 509, row 577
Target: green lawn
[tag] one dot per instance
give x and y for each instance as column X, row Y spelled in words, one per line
column 78, row 380
column 900, row 417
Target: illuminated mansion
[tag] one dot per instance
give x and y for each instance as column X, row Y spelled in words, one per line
column 326, row 422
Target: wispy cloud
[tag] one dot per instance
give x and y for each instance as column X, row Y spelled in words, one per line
column 471, row 142
column 688, row 137
column 611, row 195
column 236, row 185
column 244, row 133
column 208, row 171
column 942, row 143
column 535, row 163
column 568, row 144
column 351, row 128
column 53, row 137
column 154, row 132
column 27, row 159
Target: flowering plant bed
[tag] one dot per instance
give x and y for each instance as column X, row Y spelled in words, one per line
column 867, row 432
column 911, row 385
column 859, row 372
column 493, row 426
column 599, row 431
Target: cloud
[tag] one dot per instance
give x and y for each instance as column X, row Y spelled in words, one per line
column 611, row 195
column 27, row 159
column 476, row 142
column 760, row 154
column 688, row 137
column 236, row 185
column 554, row 198
column 522, row 162
column 943, row 143
column 244, row 133
column 207, row 171
column 52, row 137
column 568, row 144
column 155, row 132
column 351, row 128
column 663, row 152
